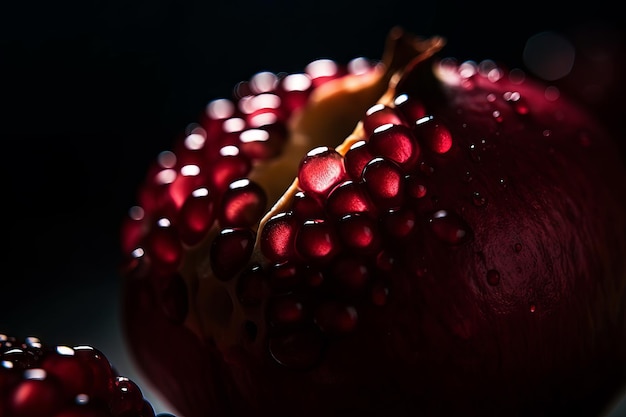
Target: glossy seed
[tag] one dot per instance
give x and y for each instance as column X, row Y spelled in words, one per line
column 243, row 204
column 450, row 228
column 384, row 182
column 230, row 251
column 316, row 241
column 320, row 170
column 278, row 237
column 397, row 143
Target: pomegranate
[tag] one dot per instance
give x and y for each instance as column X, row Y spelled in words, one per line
column 410, row 236
column 40, row 380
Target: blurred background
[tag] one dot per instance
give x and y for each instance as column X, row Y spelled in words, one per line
column 91, row 92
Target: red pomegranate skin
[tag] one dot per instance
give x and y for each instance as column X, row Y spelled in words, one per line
column 508, row 299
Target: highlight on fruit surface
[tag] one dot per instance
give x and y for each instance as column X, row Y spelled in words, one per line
column 410, row 236
column 40, row 380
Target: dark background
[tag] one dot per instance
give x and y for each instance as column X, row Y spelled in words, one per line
column 92, row 91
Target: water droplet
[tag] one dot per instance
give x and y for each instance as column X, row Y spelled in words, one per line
column 533, row 308
column 493, row 277
column 518, row 247
column 450, row 228
column 478, row 199
column 497, row 115
column 474, row 153
column 467, row 177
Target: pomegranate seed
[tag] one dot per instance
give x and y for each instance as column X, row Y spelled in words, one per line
column 379, row 115
column 320, row 170
column 285, row 310
column 232, row 165
column 450, row 228
column 435, row 135
column 262, row 143
column 101, row 372
column 188, row 178
column 415, row 187
column 36, row 396
column 294, row 90
column 306, row 207
column 356, row 158
column 316, row 241
column 347, row 198
column 196, row 216
column 396, row 142
column 164, row 246
column 243, row 204
column 297, row 350
column 384, row 182
column 285, row 277
column 68, row 370
column 278, row 237
column 230, row 251
column 399, row 223
column 126, row 397
column 351, row 273
column 411, row 108
column 334, row 317
column 251, row 288
column 359, row 233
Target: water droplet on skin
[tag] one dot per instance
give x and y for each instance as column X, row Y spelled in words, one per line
column 467, row 177
column 493, row 277
column 533, row 308
column 474, row 153
column 497, row 115
column 518, row 247
column 478, row 199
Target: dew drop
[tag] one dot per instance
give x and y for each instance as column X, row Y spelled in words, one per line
column 474, row 153
column 478, row 199
column 493, row 277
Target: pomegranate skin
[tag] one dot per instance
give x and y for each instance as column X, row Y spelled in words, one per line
column 509, row 299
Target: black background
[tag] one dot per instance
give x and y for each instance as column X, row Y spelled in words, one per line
column 91, row 91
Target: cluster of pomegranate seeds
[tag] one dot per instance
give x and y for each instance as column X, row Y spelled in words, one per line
column 38, row 380
column 326, row 255
column 203, row 185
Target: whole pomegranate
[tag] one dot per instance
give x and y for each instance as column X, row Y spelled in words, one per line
column 406, row 237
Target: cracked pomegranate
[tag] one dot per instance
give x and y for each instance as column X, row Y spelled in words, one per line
column 39, row 380
column 413, row 236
